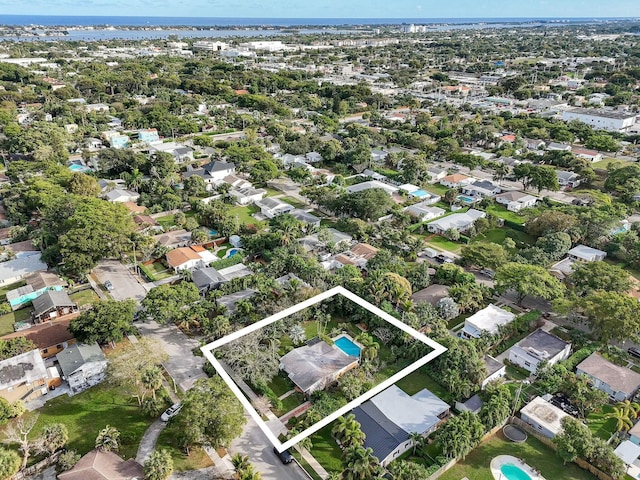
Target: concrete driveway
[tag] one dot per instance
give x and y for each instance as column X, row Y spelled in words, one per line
column 182, row 365
column 255, row 444
column 125, row 285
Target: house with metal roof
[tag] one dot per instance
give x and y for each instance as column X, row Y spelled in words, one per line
column 23, row 265
column 207, row 279
column 389, row 419
column 272, row 207
column 52, row 304
column 83, row 366
column 371, row 184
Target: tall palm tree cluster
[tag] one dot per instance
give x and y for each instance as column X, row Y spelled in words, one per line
column 359, row 462
column 244, row 470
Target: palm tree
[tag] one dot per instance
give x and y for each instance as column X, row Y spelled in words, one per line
column 108, row 438
column 624, row 413
column 345, row 427
column 239, row 461
column 152, row 379
column 370, row 347
column 360, row 463
column 417, row 440
column 500, row 172
column 133, row 180
column 297, row 334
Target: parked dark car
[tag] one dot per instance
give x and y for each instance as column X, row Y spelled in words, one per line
column 634, row 351
column 444, row 259
column 284, row 456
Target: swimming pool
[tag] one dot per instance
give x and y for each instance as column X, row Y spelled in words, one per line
column 76, row 167
column 232, row 252
column 512, row 472
column 213, row 233
column 345, row 344
column 420, row 193
column 465, row 199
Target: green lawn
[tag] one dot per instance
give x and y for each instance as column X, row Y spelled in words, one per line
column 498, row 235
column 311, row 327
column 418, row 380
column 606, row 161
column 436, row 189
column 196, row 459
column 244, row 214
column 533, row 452
column 7, row 320
column 326, row 450
column 87, row 413
column 305, row 465
column 85, row 297
column 8, row 288
column 280, row 384
column 441, row 243
column 293, row 201
column 289, row 403
column 599, row 425
column 501, row 212
column 271, row 192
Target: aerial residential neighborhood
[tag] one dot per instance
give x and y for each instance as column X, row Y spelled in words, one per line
column 290, row 250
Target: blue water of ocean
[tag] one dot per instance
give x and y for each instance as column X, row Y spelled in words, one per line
column 47, row 20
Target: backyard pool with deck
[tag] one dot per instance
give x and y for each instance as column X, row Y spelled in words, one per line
column 347, row 345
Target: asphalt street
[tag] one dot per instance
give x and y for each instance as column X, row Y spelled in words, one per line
column 125, row 285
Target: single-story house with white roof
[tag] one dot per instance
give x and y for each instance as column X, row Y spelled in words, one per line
column 424, row 212
column 122, row 196
column 591, row 155
column 18, row 268
column 389, row 418
column 586, row 254
column 516, row 201
column 486, row 321
column 539, row 347
column 370, row 184
column 543, row 417
column 272, row 207
column 436, row 173
column 458, row 221
column 629, row 452
column 567, row 179
column 481, row 189
column 246, row 196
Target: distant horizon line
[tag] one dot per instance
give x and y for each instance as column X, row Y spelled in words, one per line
column 328, row 18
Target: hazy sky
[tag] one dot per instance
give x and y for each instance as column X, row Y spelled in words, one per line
column 328, row 8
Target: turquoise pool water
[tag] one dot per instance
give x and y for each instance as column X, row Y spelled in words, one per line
column 213, row 233
column 75, row 167
column 420, row 193
column 347, row 346
column 232, row 252
column 511, row 472
column 466, row 199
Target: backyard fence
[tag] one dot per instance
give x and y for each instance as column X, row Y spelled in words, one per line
column 549, row 443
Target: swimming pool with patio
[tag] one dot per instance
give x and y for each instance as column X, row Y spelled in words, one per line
column 78, row 167
column 421, row 194
column 465, row 199
column 507, row 467
column 345, row 343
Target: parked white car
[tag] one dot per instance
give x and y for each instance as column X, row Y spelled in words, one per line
column 171, row 412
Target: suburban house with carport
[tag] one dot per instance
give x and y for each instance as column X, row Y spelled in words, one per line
column 389, row 419
column 486, row 322
column 83, row 366
column 620, row 383
column 316, row 365
column 52, row 304
column 543, row 417
column 36, row 284
column 539, row 347
column 579, row 253
column 188, row 258
column 272, row 207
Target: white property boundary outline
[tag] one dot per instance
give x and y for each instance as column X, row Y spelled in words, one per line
column 208, row 353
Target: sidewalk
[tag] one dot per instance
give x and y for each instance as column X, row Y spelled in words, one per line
column 310, row 459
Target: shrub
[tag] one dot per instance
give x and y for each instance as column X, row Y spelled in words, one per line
column 67, row 460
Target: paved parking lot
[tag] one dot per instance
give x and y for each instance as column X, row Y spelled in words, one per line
column 125, row 285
